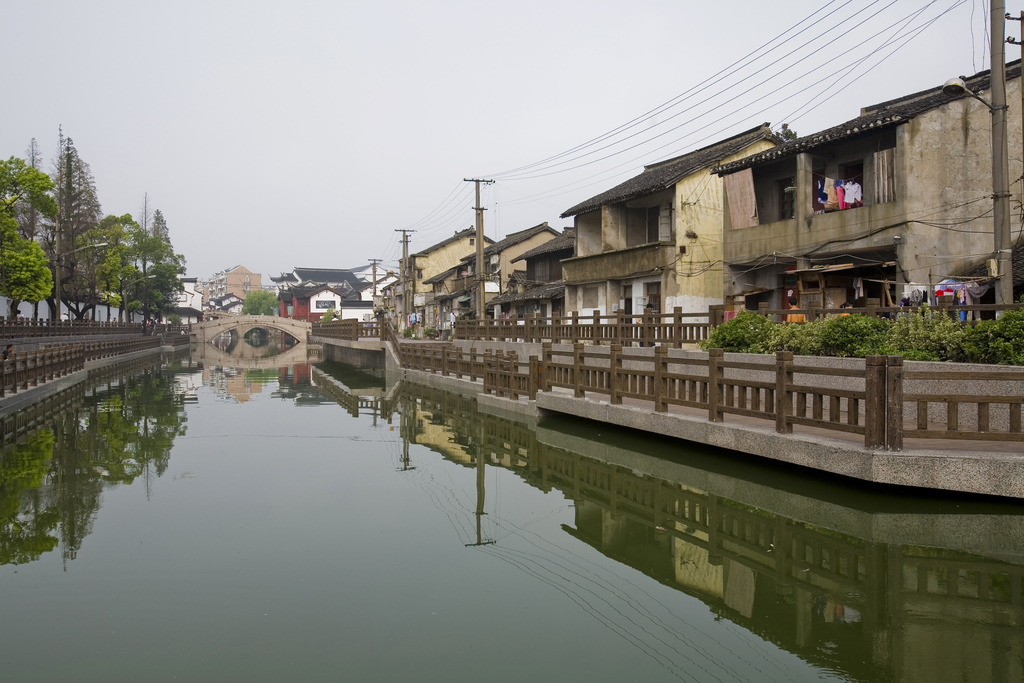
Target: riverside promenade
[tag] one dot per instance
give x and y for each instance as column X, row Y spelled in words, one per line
column 930, row 425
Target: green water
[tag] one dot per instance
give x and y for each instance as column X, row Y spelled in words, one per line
column 177, row 522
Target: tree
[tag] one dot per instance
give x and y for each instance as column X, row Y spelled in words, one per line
column 787, row 133
column 158, row 283
column 260, row 302
column 24, row 268
column 78, row 212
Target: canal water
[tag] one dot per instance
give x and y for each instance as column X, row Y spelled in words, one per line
column 184, row 520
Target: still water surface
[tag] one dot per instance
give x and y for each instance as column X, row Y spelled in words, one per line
column 180, row 522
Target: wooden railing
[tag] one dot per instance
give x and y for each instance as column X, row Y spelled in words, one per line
column 868, row 400
column 12, row 328
column 672, row 329
column 31, row 368
column 347, row 330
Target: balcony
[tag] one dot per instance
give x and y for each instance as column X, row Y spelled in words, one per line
column 620, row 264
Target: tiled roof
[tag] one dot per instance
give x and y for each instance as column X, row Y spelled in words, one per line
column 454, row 295
column 873, row 118
column 551, row 290
column 665, row 174
column 468, row 232
column 567, row 240
column 331, row 276
column 514, row 239
column 441, row 277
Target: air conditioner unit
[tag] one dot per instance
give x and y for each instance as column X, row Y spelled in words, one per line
column 495, row 258
column 641, row 301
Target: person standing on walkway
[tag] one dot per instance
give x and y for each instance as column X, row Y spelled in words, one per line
column 795, row 317
column 8, row 351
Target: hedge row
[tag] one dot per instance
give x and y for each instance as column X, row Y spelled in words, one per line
column 925, row 334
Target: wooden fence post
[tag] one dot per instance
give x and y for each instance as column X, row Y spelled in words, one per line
column 444, row 361
column 783, row 397
column 595, row 326
column 577, row 370
column 660, row 355
column 871, row 308
column 715, row 376
column 677, row 326
column 894, row 403
column 575, row 327
column 472, row 364
column 547, row 358
column 534, row 379
column 620, row 327
column 614, row 366
column 513, row 368
column 874, row 402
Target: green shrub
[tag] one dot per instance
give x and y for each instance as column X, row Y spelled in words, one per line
column 748, row 332
column 997, row 341
column 852, row 335
column 174, row 319
column 328, row 316
column 803, row 339
column 927, row 334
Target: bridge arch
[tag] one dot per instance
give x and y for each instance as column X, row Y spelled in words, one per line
column 209, row 329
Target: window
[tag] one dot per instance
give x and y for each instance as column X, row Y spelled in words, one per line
column 472, row 241
column 653, row 219
column 419, row 273
column 787, row 198
column 652, row 291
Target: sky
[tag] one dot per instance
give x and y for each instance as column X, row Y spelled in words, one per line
column 304, row 134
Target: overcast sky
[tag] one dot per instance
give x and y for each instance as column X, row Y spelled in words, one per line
column 304, row 133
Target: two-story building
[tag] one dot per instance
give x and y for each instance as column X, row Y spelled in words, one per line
column 882, row 206
column 539, row 289
column 656, row 238
column 412, row 293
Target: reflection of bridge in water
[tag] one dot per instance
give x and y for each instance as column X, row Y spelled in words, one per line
column 243, row 356
column 872, row 587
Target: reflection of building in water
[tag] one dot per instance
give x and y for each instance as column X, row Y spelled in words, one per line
column 917, row 594
column 238, row 384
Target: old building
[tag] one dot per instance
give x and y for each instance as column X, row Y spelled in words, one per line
column 656, row 238
column 413, row 295
column 539, row 289
column 881, row 206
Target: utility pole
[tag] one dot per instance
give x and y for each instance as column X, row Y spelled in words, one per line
column 406, row 293
column 480, row 270
column 1000, row 162
column 1020, row 87
column 374, row 261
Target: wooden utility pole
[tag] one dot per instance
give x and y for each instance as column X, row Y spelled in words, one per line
column 1000, row 162
column 406, row 293
column 480, row 269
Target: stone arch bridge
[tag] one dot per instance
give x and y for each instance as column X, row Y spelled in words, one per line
column 209, row 329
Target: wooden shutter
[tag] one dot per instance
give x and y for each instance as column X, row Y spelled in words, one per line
column 739, row 188
column 885, row 176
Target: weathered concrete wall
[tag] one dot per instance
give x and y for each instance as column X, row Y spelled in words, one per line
column 359, row 354
column 696, row 280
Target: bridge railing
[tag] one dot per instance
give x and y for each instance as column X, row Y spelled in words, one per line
column 347, row 330
column 13, row 328
column 673, row 329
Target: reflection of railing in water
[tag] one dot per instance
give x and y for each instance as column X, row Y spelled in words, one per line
column 815, row 578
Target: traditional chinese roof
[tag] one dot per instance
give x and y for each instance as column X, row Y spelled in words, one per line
column 551, row 290
column 515, row 238
column 665, row 174
column 468, row 232
column 441, row 277
column 873, row 118
column 565, row 241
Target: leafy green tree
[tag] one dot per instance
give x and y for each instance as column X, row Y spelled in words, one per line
column 24, row 268
column 158, row 283
column 260, row 302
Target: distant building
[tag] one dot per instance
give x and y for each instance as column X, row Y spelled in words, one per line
column 228, row 303
column 238, row 280
column 189, row 304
